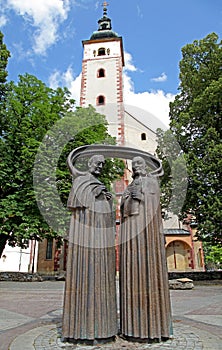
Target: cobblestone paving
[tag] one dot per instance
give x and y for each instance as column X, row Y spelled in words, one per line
column 30, row 319
column 182, row 339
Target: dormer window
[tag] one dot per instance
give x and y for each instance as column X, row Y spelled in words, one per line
column 101, row 73
column 143, row 136
column 100, row 100
column 104, row 26
column 101, row 51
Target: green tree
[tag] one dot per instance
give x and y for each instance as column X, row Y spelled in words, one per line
column 4, row 56
column 213, row 257
column 195, row 120
column 31, row 109
column 51, row 176
column 174, row 179
column 39, row 120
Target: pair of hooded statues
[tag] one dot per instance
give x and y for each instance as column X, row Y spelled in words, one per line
column 90, row 302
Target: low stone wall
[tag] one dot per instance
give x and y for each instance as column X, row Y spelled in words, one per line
column 20, row 277
column 209, row 276
column 197, row 275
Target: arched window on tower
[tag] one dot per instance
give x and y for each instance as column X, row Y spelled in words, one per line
column 143, row 136
column 100, row 100
column 101, row 73
column 101, row 51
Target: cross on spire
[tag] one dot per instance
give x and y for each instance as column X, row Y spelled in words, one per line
column 105, row 4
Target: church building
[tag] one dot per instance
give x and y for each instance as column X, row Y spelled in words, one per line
column 102, row 86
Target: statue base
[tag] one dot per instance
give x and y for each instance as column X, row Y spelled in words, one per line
column 90, row 342
column 142, row 340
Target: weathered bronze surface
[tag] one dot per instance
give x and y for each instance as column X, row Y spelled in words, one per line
column 89, row 311
column 144, row 293
column 113, row 152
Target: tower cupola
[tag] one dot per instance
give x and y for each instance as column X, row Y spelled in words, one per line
column 104, row 26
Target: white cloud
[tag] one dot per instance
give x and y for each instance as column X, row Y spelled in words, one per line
column 161, row 78
column 54, row 79
column 45, row 16
column 128, row 62
column 97, row 4
column 3, row 21
column 155, row 102
column 67, row 79
column 139, row 12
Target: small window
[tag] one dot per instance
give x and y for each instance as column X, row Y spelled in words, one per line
column 101, row 51
column 49, row 249
column 25, row 243
column 101, row 73
column 100, row 100
column 143, row 136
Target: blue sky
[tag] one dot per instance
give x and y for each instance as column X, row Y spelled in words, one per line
column 45, row 39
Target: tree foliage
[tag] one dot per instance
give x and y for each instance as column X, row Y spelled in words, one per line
column 195, row 120
column 4, row 56
column 31, row 108
column 83, row 127
column 174, row 180
column 213, row 257
column 39, row 123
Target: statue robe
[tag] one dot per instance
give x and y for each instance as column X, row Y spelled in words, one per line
column 89, row 310
column 145, row 311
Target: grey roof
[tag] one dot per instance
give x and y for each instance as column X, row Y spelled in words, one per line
column 102, row 34
column 175, row 231
column 144, row 117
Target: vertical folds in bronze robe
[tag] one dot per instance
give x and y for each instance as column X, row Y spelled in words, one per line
column 90, row 295
column 144, row 292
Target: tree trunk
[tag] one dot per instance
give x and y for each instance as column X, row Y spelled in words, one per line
column 3, row 240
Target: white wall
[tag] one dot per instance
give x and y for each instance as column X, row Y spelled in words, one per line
column 15, row 259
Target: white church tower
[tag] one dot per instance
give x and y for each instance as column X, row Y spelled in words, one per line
column 102, row 82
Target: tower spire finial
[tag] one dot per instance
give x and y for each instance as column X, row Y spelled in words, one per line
column 105, row 4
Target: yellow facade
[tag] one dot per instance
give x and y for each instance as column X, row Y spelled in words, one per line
column 184, row 252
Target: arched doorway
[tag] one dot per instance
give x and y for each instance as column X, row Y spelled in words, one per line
column 178, row 256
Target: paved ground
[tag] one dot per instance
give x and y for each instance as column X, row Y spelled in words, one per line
column 30, row 318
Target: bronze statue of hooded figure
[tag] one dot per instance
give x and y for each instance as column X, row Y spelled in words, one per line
column 145, row 312
column 89, row 311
